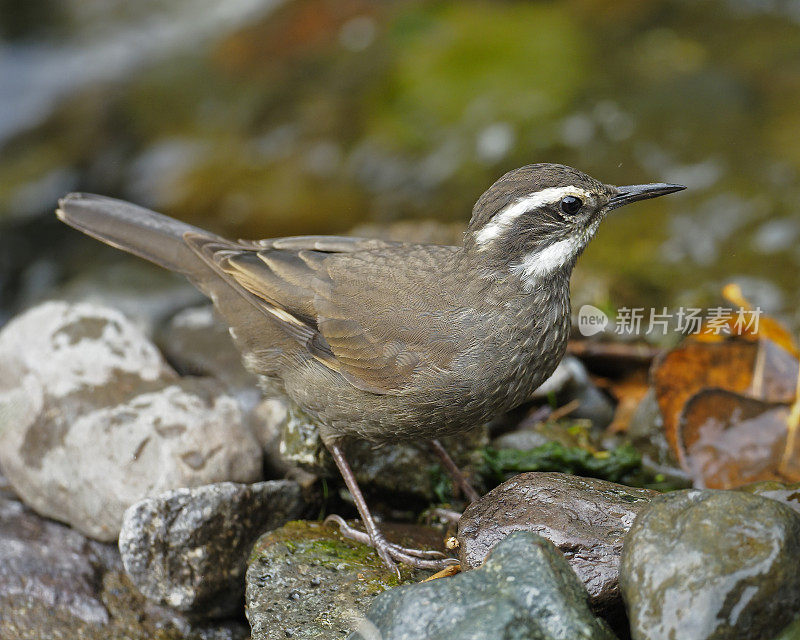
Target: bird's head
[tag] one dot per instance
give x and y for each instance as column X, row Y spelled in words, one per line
column 535, row 221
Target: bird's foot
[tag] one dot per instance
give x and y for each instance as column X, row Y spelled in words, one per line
column 391, row 553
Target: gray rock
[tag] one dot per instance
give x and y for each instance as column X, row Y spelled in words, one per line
column 6, row 490
column 188, row 548
column 394, row 468
column 522, row 439
column 569, row 373
column 587, row 519
column 197, row 342
column 92, row 419
column 525, row 589
column 43, row 560
column 57, row 584
column 712, row 564
column 306, row 582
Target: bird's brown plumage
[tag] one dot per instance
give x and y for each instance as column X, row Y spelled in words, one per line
column 330, row 295
column 383, row 340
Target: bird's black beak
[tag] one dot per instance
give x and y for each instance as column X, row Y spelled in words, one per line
column 634, row 192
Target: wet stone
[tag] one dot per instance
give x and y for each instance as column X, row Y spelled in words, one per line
column 59, row 585
column 709, row 564
column 525, row 589
column 188, row 548
column 586, row 518
column 306, row 581
column 93, row 420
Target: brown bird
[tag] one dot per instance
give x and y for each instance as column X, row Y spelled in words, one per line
column 390, row 341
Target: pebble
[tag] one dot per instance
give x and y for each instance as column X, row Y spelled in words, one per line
column 59, row 585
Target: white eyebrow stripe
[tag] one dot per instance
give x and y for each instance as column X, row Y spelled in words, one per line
column 506, row 216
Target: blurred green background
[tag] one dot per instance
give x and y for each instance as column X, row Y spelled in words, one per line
column 260, row 118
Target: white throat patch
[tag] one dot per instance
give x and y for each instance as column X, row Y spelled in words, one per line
column 504, row 218
column 542, row 263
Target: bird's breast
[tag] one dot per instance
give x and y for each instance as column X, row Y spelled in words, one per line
column 512, row 351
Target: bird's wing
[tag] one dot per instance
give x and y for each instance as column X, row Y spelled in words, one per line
column 381, row 319
column 345, row 310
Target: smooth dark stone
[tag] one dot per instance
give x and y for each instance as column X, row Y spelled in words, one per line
column 721, row 565
column 525, row 589
column 585, row 518
column 188, row 548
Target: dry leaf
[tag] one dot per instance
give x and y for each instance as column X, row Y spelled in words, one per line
column 628, row 393
column 730, row 440
column 694, row 366
column 447, row 572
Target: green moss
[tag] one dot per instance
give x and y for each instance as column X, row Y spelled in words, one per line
column 622, row 465
column 500, row 464
column 445, row 68
column 337, row 551
column 317, row 544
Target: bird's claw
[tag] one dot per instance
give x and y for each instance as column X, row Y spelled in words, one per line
column 391, row 553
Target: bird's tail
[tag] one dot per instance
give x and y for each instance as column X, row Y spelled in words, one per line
column 134, row 229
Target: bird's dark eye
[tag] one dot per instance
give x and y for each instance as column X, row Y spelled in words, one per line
column 571, row 205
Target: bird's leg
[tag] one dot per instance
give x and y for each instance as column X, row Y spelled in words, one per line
column 387, row 551
column 454, row 472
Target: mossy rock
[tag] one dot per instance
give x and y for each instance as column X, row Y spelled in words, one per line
column 307, row 580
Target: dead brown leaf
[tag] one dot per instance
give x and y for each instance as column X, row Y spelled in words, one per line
column 693, row 366
column 628, row 393
column 448, row 571
column 729, row 440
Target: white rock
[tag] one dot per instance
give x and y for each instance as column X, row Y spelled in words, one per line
column 92, row 419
